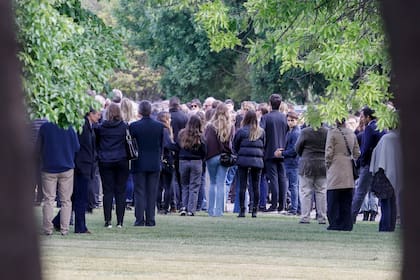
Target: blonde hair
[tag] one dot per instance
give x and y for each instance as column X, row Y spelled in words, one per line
column 221, row 122
column 127, row 110
column 283, row 108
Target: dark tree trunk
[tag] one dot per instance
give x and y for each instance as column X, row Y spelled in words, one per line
column 19, row 249
column 403, row 28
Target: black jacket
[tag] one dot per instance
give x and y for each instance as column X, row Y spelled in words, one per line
column 86, row 156
column 275, row 126
column 110, row 140
column 178, row 121
column 250, row 153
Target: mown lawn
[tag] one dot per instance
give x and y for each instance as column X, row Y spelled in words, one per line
column 201, row 247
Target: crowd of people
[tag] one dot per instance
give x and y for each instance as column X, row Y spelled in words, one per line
column 195, row 157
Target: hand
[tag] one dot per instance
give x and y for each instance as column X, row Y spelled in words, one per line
column 278, row 152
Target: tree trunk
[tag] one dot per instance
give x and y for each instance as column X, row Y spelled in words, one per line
column 19, row 249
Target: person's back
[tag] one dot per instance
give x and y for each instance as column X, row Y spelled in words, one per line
column 57, row 148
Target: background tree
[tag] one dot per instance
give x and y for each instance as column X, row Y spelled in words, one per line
column 65, row 50
column 341, row 40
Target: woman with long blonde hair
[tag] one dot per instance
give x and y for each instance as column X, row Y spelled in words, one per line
column 219, row 134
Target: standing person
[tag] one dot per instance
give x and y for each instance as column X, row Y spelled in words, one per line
column 167, row 165
column 386, row 165
column 35, row 126
column 275, row 126
column 178, row 121
column 371, row 136
column 248, row 144
column 340, row 149
column 113, row 163
column 57, row 148
column 291, row 161
column 218, row 135
column 191, row 155
column 84, row 171
column 149, row 134
column 310, row 147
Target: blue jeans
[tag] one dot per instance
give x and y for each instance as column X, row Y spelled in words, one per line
column 363, row 187
column 292, row 175
column 217, row 175
column 263, row 191
column 230, row 176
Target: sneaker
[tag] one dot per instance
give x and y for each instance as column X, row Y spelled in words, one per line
column 119, row 226
column 283, row 212
column 108, row 225
column 291, row 213
column 304, row 222
column 183, row 211
column 190, row 214
column 270, row 209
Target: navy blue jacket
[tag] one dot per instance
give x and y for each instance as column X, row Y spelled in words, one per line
column 291, row 159
column 110, row 141
column 149, row 135
column 86, row 156
column 250, row 153
column 275, row 126
column 370, row 139
column 57, row 147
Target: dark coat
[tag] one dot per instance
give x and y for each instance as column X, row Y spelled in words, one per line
column 86, row 156
column 178, row 121
column 110, row 141
column 150, row 138
column 370, row 138
column 275, row 126
column 291, row 159
column 214, row 146
column 250, row 153
column 310, row 146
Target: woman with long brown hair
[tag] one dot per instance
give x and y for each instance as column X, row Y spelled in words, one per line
column 248, row 144
column 219, row 135
column 191, row 154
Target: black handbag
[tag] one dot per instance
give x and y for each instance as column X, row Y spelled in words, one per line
column 381, row 186
column 167, row 167
column 353, row 162
column 227, row 159
column 131, row 146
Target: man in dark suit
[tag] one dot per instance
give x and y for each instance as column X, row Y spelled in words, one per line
column 275, row 126
column 370, row 138
column 146, row 169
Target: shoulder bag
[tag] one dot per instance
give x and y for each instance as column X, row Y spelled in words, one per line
column 131, row 146
column 353, row 162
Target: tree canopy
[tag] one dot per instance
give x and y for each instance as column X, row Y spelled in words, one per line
column 341, row 40
column 65, row 50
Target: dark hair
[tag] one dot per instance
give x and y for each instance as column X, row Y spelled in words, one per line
column 174, row 102
column 275, row 101
column 292, row 115
column 145, row 108
column 367, row 112
column 190, row 136
column 114, row 112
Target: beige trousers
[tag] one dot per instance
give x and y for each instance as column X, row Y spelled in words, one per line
column 309, row 185
column 50, row 183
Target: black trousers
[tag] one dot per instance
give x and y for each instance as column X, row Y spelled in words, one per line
column 339, row 209
column 255, row 175
column 145, row 192
column 276, row 176
column 114, row 177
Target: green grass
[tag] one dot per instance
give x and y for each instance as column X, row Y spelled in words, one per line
column 202, row 247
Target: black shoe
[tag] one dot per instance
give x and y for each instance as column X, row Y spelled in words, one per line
column 365, row 215
column 270, row 209
column 373, row 215
column 242, row 213
column 254, row 212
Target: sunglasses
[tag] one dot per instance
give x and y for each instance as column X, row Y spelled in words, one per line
column 194, row 106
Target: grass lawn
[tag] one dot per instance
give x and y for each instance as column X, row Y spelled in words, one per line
column 201, row 247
